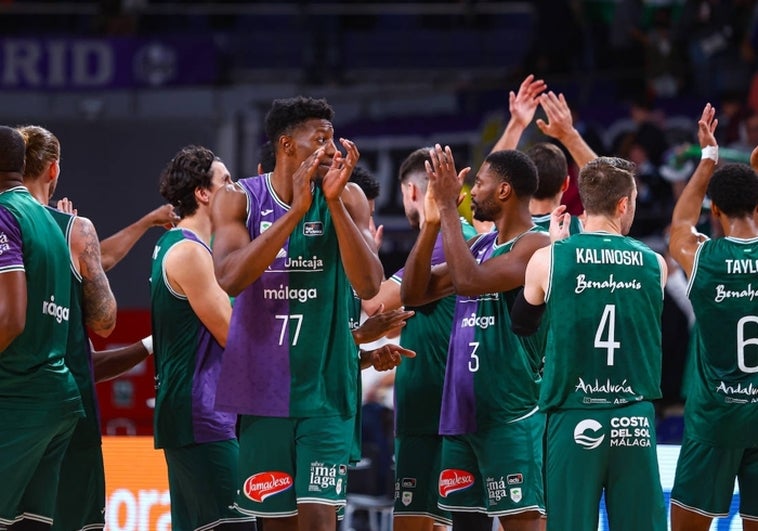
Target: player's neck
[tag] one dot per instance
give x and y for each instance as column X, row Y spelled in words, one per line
column 199, row 224
column 10, row 180
column 38, row 190
column 540, row 207
column 281, row 182
column 596, row 223
column 744, row 228
column 513, row 224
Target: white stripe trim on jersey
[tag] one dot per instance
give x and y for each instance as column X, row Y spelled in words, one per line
column 91, row 527
column 8, row 269
column 437, row 518
column 247, row 203
column 271, row 190
column 549, row 287
column 67, row 234
column 532, row 412
column 520, row 510
column 695, row 263
column 735, row 239
column 165, row 255
column 460, row 509
column 15, row 189
column 661, row 265
column 221, row 521
column 69, row 230
column 320, row 501
column 698, row 511
column 749, row 517
column 260, row 514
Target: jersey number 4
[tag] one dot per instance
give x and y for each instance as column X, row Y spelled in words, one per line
column 607, row 328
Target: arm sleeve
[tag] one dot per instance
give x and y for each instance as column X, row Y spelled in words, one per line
column 525, row 317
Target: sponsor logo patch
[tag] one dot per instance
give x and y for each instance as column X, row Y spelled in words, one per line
column 516, row 494
column 260, row 486
column 313, row 228
column 514, row 479
column 453, row 480
column 407, row 498
column 408, row 483
column 586, row 434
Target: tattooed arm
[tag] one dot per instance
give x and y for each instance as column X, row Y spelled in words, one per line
column 99, row 304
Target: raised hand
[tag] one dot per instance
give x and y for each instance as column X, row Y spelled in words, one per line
column 445, row 183
column 523, row 104
column 65, row 205
column 560, row 122
column 302, row 180
column 339, row 173
column 560, row 222
column 706, row 127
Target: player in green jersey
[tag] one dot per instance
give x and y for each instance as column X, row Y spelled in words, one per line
column 291, row 246
column 603, row 296
column 721, row 412
column 41, row 403
column 491, row 383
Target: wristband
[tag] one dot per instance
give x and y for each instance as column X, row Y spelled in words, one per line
column 148, row 344
column 710, row 152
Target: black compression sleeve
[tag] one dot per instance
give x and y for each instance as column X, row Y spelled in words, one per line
column 525, row 317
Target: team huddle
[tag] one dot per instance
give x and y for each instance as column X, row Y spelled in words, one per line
column 529, row 353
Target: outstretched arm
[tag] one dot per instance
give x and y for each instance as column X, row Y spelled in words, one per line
column 560, row 125
column 109, row 364
column 522, row 107
column 115, row 248
column 684, row 238
column 98, row 302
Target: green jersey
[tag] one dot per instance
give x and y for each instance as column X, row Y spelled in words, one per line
column 418, row 381
column 543, row 220
column 290, row 351
column 604, row 302
column 78, row 352
column 722, row 402
column 33, row 374
column 187, row 360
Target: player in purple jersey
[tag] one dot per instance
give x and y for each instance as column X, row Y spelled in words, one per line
column 290, row 245
column 480, row 413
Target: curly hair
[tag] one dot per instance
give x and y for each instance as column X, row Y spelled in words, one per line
column 12, row 150
column 734, row 190
column 515, row 168
column 367, row 182
column 286, row 114
column 42, row 148
column 190, row 168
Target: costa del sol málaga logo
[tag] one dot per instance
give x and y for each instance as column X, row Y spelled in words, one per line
column 586, row 434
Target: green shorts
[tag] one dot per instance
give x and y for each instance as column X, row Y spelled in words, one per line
column 201, row 482
column 589, row 451
column 288, row 461
column 31, row 450
column 704, row 480
column 81, row 490
column 417, row 470
column 496, row 471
